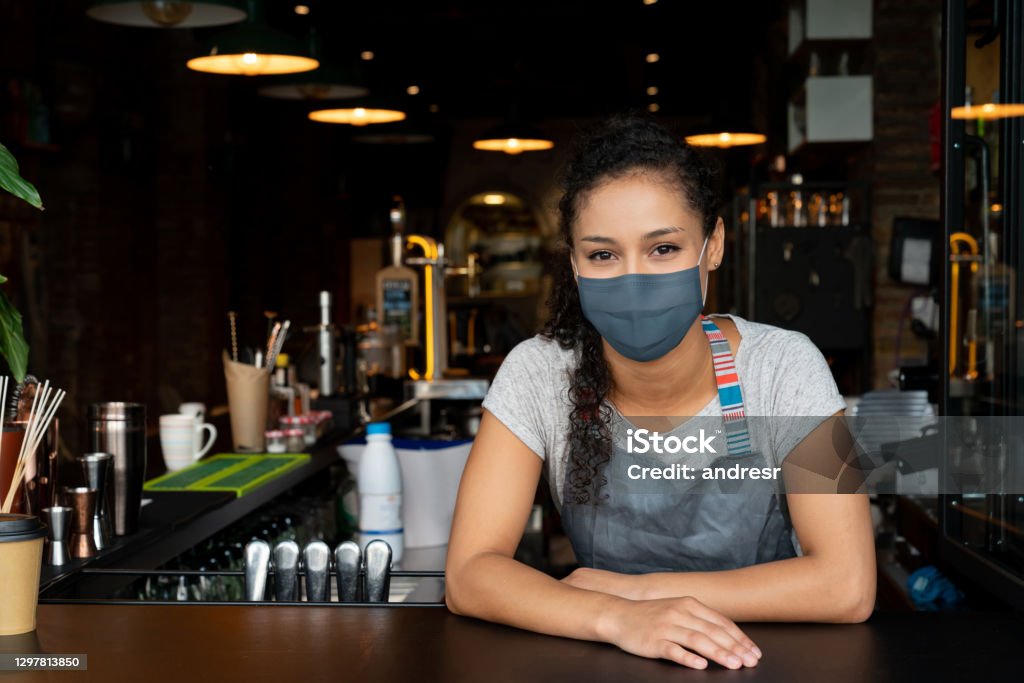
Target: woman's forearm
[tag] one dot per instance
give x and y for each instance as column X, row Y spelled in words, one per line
column 797, row 589
column 806, row 588
column 499, row 588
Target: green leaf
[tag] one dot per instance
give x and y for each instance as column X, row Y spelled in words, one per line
column 11, row 181
column 13, row 346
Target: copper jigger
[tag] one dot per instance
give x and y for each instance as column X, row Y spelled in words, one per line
column 83, row 501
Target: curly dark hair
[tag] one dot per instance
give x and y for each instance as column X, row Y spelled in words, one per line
column 620, row 146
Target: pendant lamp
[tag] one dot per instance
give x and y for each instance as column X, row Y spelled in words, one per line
column 513, row 137
column 365, row 111
column 329, row 81
column 726, row 130
column 989, row 111
column 357, row 115
column 167, row 13
column 254, row 49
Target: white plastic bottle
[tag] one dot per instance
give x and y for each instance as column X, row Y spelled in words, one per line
column 380, row 491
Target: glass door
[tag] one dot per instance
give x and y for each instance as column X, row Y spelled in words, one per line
column 983, row 321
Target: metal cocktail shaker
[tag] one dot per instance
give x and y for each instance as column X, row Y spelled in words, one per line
column 120, row 429
column 96, row 468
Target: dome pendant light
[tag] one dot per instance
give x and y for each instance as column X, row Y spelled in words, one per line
column 254, row 49
column 167, row 13
column 513, row 137
column 726, row 139
column 328, row 82
column 726, row 129
column 357, row 116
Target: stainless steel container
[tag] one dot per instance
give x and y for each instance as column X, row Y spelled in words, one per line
column 120, row 429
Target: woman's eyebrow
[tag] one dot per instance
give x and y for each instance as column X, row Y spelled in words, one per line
column 647, row 236
column 660, row 232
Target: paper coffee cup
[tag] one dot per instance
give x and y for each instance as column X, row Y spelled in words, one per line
column 21, row 556
column 248, row 396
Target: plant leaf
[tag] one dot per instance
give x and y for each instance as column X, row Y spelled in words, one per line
column 11, row 181
column 13, row 346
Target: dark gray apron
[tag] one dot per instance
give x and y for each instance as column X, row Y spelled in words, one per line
column 701, row 525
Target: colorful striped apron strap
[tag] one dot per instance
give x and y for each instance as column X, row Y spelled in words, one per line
column 730, row 395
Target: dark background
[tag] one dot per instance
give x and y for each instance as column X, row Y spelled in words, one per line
column 174, row 196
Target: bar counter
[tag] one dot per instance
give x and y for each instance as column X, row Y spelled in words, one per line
column 285, row 643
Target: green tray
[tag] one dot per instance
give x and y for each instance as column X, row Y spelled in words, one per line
column 233, row 472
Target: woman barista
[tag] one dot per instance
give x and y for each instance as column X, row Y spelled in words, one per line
column 660, row 576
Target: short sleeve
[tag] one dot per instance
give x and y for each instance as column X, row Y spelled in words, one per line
column 803, row 391
column 519, row 394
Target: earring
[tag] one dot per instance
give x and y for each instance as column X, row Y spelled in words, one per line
column 718, row 264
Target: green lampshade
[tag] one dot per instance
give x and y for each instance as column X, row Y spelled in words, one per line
column 329, row 82
column 167, row 13
column 254, row 49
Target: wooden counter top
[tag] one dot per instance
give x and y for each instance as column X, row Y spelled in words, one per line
column 288, row 644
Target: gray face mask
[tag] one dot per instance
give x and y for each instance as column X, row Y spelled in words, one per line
column 643, row 316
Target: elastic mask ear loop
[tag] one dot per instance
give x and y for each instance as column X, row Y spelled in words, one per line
column 572, row 260
column 704, row 292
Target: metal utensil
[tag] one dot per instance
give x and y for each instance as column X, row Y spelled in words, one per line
column 257, row 560
column 82, row 500
column 58, row 522
column 273, row 349
column 286, row 571
column 347, row 557
column 120, row 429
column 96, row 468
column 378, row 570
column 316, row 558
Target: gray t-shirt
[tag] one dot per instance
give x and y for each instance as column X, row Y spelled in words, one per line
column 781, row 372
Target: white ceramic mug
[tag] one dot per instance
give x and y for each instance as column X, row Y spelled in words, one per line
column 193, row 408
column 180, row 439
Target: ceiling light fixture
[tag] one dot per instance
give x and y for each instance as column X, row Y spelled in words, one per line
column 254, row 49
column 330, row 81
column 652, row 90
column 357, row 116
column 167, row 13
column 513, row 137
column 725, row 139
column 413, row 90
column 989, row 111
column 653, row 57
column 366, row 55
column 302, row 10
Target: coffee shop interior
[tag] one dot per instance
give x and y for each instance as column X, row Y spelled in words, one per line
column 268, row 224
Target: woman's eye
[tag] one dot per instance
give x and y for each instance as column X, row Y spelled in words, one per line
column 600, row 256
column 663, row 249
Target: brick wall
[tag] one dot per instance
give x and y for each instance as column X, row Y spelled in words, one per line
column 906, row 52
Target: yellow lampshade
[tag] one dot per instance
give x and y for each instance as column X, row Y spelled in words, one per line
column 513, row 145
column 357, row 116
column 254, row 49
column 988, row 111
column 252, row 64
column 725, row 139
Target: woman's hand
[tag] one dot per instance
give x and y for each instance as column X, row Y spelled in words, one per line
column 627, row 586
column 683, row 630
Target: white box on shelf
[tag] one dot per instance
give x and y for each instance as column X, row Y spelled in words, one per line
column 829, row 20
column 834, row 109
